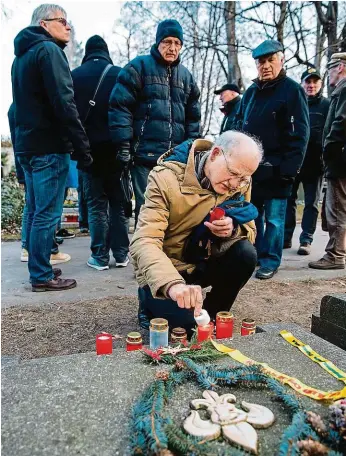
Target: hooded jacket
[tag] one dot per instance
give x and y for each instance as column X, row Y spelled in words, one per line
column 153, row 107
column 175, row 203
column 229, row 110
column 277, row 113
column 46, row 116
column 334, row 134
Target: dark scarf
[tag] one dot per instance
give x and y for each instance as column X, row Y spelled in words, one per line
column 264, row 84
column 200, row 160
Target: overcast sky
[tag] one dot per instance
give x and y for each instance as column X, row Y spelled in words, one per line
column 88, row 18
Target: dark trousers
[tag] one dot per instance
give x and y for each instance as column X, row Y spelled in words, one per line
column 107, row 222
column 139, row 177
column 45, row 179
column 312, row 192
column 82, row 202
column 226, row 275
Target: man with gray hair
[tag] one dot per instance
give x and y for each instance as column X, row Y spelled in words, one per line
column 47, row 131
column 196, row 229
column 274, row 109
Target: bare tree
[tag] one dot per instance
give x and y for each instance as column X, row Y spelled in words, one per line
column 234, row 72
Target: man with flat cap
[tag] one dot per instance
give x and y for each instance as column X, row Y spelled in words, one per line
column 274, row 108
column 154, row 106
column 311, row 173
column 230, row 99
column 334, row 157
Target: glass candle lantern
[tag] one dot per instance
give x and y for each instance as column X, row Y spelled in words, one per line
column 205, row 332
column 248, row 327
column 134, row 341
column 158, row 333
column 178, row 335
column 224, row 325
column 104, row 344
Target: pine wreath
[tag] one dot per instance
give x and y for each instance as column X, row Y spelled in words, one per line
column 153, row 431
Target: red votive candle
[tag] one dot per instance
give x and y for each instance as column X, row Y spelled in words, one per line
column 205, row 332
column 224, row 325
column 216, row 214
column 104, row 344
column 134, row 341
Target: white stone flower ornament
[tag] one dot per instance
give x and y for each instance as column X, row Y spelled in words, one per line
column 236, row 425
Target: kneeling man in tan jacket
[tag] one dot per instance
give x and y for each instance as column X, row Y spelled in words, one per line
column 176, row 249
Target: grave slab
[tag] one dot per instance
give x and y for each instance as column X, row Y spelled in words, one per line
column 333, row 309
column 81, row 404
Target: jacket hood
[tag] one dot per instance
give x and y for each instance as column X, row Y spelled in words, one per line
column 96, row 48
column 30, row 36
column 228, row 106
column 154, row 51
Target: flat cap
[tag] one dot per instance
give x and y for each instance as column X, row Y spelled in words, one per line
column 266, row 48
column 339, row 57
column 311, row 72
column 232, row 87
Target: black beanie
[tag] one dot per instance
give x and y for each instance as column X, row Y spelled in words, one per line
column 169, row 27
column 95, row 43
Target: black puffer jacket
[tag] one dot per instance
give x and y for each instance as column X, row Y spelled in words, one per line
column 230, row 110
column 318, row 110
column 46, row 116
column 153, row 106
column 277, row 113
column 334, row 134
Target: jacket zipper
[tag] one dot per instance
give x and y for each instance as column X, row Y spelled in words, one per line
column 142, row 129
column 292, row 122
column 169, row 75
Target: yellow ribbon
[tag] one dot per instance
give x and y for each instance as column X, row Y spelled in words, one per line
column 314, row 356
column 294, row 383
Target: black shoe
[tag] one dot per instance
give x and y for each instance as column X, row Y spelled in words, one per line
column 64, row 234
column 287, row 244
column 84, row 230
column 265, row 273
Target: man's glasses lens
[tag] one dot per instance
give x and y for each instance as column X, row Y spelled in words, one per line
column 169, row 43
column 62, row 20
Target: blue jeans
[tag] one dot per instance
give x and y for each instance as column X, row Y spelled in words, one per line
column 139, row 176
column 45, row 178
column 107, row 222
column 312, row 192
column 270, row 240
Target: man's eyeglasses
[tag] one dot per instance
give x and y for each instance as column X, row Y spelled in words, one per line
column 243, row 181
column 170, row 43
column 62, row 20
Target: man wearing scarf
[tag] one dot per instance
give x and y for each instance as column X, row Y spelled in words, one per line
column 274, row 109
column 154, row 106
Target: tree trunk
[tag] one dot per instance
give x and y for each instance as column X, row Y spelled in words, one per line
column 280, row 25
column 320, row 39
column 234, row 72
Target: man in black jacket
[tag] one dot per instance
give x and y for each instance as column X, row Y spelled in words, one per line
column 230, row 99
column 274, row 108
column 311, row 173
column 154, row 106
column 334, row 157
column 107, row 221
column 48, row 130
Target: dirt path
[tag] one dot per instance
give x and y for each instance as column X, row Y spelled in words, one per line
column 33, row 332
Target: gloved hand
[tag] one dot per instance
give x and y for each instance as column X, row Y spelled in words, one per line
column 84, row 161
column 123, row 157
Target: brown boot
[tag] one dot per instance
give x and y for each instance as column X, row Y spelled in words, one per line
column 55, row 285
column 324, row 264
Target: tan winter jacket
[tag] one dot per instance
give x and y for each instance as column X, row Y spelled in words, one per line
column 174, row 204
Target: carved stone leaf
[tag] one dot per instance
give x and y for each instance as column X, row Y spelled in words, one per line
column 242, row 434
column 258, row 415
column 197, row 427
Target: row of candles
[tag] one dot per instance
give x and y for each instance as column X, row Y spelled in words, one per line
column 158, row 333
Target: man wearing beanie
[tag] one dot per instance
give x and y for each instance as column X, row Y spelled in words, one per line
column 107, row 221
column 311, row 172
column 154, row 106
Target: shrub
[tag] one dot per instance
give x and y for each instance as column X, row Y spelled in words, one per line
column 12, row 204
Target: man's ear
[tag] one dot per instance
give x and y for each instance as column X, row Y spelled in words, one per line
column 216, row 151
column 44, row 25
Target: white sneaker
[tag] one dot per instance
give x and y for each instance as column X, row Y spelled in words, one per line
column 59, row 257
column 122, row 264
column 24, row 256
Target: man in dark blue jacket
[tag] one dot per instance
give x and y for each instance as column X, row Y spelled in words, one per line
column 154, row 106
column 47, row 131
column 311, row 173
column 107, row 221
column 274, row 108
column 230, row 99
